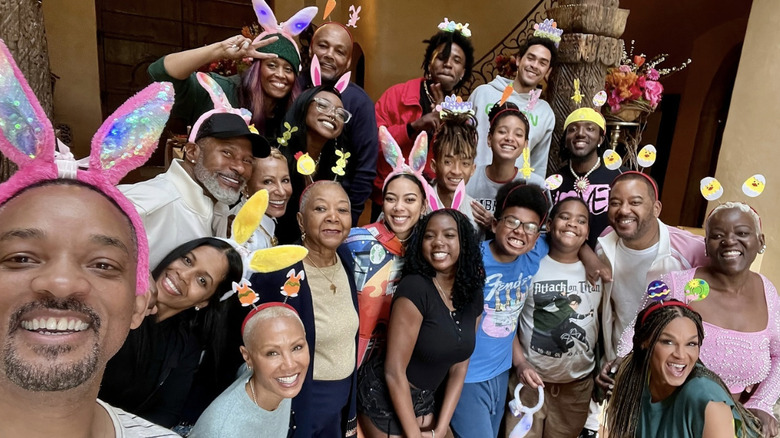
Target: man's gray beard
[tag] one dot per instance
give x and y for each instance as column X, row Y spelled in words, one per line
column 210, row 182
column 54, row 377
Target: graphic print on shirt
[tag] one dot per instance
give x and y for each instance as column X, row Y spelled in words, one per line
column 561, row 311
column 596, row 197
column 503, row 304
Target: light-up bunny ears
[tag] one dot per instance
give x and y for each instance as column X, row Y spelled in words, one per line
column 316, row 76
column 265, row 260
column 395, row 157
column 221, row 104
column 124, row 141
column 289, row 29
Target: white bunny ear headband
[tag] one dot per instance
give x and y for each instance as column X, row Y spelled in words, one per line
column 221, row 105
column 272, row 259
column 124, row 141
column 316, row 76
column 289, row 29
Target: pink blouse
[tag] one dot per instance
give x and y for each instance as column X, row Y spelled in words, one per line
column 740, row 359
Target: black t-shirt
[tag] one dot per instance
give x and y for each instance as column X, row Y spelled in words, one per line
column 596, row 196
column 444, row 338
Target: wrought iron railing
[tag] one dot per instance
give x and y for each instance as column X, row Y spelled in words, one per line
column 485, row 68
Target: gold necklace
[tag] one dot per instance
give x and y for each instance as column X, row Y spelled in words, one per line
column 273, row 239
column 252, row 388
column 428, row 94
column 330, row 279
column 440, row 290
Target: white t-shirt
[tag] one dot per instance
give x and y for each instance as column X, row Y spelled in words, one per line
column 483, row 189
column 629, row 284
column 128, row 425
column 559, row 323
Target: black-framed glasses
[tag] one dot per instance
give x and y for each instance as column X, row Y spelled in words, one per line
column 325, row 106
column 514, row 223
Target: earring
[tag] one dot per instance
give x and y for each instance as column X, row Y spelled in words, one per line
column 303, row 236
column 192, row 161
column 761, row 251
column 197, row 308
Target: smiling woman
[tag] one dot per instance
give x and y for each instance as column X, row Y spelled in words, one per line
column 161, row 356
column 317, row 118
column 663, row 389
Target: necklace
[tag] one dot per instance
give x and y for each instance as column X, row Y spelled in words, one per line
column 581, row 183
column 329, row 278
column 443, row 297
column 273, row 239
column 428, row 93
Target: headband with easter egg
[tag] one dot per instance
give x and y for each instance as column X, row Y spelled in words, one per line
column 658, row 293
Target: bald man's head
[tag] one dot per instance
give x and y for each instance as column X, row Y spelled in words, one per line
column 332, row 44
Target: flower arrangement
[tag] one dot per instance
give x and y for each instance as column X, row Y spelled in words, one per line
column 506, row 65
column 636, row 81
column 229, row 67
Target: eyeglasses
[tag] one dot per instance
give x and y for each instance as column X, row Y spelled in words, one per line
column 324, row 106
column 514, row 223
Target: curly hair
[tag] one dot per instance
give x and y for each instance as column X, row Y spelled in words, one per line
column 469, row 271
column 520, row 194
column 456, row 135
column 499, row 112
column 539, row 41
column 449, row 38
column 624, row 409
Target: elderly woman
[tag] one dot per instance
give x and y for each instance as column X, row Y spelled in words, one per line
column 409, row 108
column 324, row 295
column 662, row 389
column 317, row 118
column 161, row 356
column 740, row 309
column 277, row 358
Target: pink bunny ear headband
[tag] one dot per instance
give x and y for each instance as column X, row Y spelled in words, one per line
column 394, row 156
column 124, row 141
column 289, row 29
column 221, row 105
column 316, row 76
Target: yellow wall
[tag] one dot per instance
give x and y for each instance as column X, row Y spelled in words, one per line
column 71, row 31
column 750, row 142
column 391, row 32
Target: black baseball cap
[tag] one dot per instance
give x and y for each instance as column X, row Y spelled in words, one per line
column 229, row 125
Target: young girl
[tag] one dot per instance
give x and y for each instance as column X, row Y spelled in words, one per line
column 377, row 249
column 559, row 328
column 510, row 260
column 662, row 389
column 454, row 149
column 431, row 333
column 507, row 138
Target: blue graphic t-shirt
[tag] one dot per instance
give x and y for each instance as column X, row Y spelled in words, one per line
column 506, row 287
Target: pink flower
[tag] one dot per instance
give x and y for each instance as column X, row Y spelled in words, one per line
column 614, row 101
column 624, row 69
column 641, row 82
column 653, row 74
column 653, row 92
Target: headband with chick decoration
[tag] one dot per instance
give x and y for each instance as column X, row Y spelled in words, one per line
column 124, row 141
column 264, row 260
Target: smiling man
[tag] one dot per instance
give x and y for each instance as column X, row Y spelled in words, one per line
column 534, row 64
column 585, row 176
column 68, row 263
column 332, row 43
column 191, row 199
column 639, row 249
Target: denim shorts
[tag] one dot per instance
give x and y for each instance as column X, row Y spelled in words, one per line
column 374, row 400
